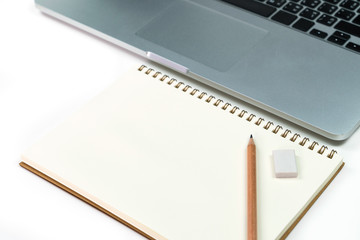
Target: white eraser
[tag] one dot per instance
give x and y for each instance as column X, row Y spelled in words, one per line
column 285, row 164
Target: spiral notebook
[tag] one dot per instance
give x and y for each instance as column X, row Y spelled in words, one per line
column 169, row 161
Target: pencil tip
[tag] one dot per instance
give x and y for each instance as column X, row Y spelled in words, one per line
column 251, row 136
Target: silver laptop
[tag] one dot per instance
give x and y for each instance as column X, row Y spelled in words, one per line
column 299, row 59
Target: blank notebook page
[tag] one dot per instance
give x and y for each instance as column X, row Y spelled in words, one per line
column 173, row 165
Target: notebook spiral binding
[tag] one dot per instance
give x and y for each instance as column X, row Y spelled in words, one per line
column 240, row 113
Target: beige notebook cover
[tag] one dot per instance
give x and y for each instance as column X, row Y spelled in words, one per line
column 170, row 162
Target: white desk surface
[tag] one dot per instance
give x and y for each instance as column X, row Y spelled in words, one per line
column 47, row 70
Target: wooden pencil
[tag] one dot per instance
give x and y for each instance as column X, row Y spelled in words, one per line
column 251, row 191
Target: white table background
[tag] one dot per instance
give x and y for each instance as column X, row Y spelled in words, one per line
column 48, row 69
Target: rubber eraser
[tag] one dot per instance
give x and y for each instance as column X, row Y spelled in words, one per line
column 285, row 163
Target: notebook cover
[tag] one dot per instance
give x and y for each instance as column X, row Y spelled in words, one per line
column 79, row 196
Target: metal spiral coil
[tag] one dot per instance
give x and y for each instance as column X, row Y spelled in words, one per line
column 218, row 102
column 202, row 95
column 277, row 129
column 164, row 77
column 242, row 113
column 179, row 84
column 211, row 97
column 303, row 142
column 156, row 74
column 312, row 146
column 322, row 149
column 268, row 125
column 287, row 131
column 226, row 106
column 259, row 121
column 331, row 154
column 250, row 117
column 171, row 81
column 149, row 71
column 233, row 110
column 187, row 87
column 294, row 137
column 193, row 92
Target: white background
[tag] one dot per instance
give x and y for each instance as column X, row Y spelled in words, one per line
column 48, row 69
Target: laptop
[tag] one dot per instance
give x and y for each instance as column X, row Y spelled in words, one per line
column 298, row 59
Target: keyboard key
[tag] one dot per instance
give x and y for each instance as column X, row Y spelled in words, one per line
column 348, row 28
column 292, row 7
column 357, row 20
column 318, row 33
column 353, row 46
column 326, row 20
column 252, row 6
column 341, row 35
column 284, row 17
column 349, row 4
column 338, row 41
column 310, row 3
column 276, row 3
column 333, row 1
column 303, row 24
column 344, row 14
column 309, row 14
column 327, row 8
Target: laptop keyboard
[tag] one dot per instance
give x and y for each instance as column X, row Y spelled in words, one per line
column 335, row 21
